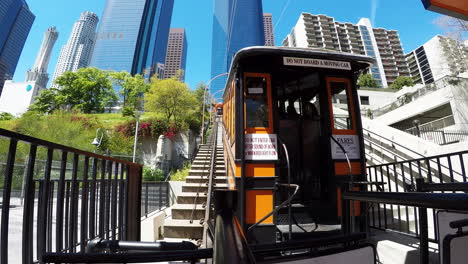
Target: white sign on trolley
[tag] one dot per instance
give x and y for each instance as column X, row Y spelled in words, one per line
column 307, row 62
column 261, row 147
column 350, row 143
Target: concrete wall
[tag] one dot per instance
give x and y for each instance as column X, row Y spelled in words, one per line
column 165, row 152
column 451, row 91
column 152, row 227
column 416, row 107
column 17, row 97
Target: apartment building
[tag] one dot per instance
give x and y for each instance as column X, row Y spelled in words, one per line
column 322, row 31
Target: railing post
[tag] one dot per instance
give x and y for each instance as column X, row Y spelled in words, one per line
column 134, row 202
column 423, row 240
column 230, row 245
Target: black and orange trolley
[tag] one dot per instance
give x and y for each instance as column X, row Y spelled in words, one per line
column 218, row 109
column 292, row 120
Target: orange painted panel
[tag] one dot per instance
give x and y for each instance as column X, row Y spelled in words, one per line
column 258, row 204
column 459, row 6
column 357, row 205
column 260, row 170
column 342, row 168
column 238, row 170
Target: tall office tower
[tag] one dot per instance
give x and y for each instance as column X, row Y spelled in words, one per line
column 17, row 97
column 236, row 25
column 321, row 31
column 15, row 22
column 268, row 28
column 77, row 52
column 39, row 73
column 439, row 57
column 133, row 36
column 176, row 54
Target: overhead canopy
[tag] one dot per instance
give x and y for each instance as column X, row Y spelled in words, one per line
column 453, row 8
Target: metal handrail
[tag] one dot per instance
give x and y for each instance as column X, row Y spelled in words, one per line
column 212, row 139
column 100, row 186
column 210, row 179
column 230, row 244
column 452, row 201
column 228, row 148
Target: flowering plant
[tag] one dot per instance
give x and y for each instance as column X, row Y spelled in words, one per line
column 148, row 128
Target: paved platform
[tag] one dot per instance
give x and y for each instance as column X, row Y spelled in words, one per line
column 393, row 248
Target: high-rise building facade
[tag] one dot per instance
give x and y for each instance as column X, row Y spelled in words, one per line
column 132, row 36
column 39, row 73
column 321, row 31
column 176, row 54
column 236, row 24
column 439, row 57
column 15, row 23
column 77, row 52
column 268, row 29
column 17, row 97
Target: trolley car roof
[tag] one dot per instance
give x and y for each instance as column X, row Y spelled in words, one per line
column 357, row 62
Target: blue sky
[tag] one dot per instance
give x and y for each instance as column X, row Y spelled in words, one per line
column 414, row 24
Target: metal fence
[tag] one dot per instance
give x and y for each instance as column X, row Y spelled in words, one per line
column 440, row 137
column 401, row 177
column 155, row 196
column 56, row 198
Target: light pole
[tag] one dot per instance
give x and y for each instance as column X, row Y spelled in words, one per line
column 204, row 102
column 137, row 116
column 97, row 142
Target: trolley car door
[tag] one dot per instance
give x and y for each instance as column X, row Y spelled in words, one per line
column 260, row 148
column 344, row 133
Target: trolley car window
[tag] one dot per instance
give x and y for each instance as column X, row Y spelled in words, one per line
column 341, row 106
column 256, row 102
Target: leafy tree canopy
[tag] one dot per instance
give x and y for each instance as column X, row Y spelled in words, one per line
column 366, row 80
column 171, row 98
column 400, row 82
column 132, row 88
column 88, row 90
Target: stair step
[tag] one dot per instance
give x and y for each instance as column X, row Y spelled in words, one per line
column 178, row 228
column 198, row 179
column 206, row 172
column 189, row 198
column 184, row 211
column 202, row 188
column 194, row 187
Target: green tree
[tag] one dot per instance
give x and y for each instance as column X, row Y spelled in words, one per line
column 132, row 88
column 366, row 80
column 88, row 90
column 400, row 82
column 46, row 102
column 6, row 116
column 172, row 98
column 195, row 119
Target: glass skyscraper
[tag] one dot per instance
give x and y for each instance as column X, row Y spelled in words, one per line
column 132, row 36
column 15, row 22
column 236, row 24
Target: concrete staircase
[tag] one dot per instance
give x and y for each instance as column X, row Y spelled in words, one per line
column 191, row 203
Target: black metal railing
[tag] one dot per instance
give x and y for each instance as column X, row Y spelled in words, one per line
column 229, row 239
column 438, row 136
column 155, row 196
column 208, row 228
column 63, row 200
column 400, row 177
column 421, row 201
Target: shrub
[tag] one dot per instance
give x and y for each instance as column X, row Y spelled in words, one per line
column 6, row 116
column 128, row 111
column 150, row 174
column 181, row 175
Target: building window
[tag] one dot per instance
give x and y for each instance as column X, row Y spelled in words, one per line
column 364, row 100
